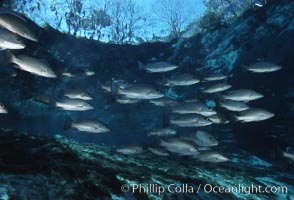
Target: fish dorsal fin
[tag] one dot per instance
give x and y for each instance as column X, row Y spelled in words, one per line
column 23, row 57
column 44, row 61
column 165, row 118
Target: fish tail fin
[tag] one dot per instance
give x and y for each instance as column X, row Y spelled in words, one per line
column 41, row 98
column 60, row 93
column 218, row 104
column 98, row 84
column 160, row 82
column 114, row 89
column 52, row 103
column 244, row 68
column 218, row 96
column 218, row 100
column 161, row 142
column 68, row 124
column 147, row 134
column 165, row 118
column 35, row 38
column 8, row 58
column 141, row 66
column 289, row 149
column 164, row 80
column 277, row 153
column 112, row 151
column 110, row 99
column 234, row 118
column 284, row 154
column 172, row 121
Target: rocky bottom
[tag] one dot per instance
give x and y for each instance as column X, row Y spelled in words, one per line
column 60, row 168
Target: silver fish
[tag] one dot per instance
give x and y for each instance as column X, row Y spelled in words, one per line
column 89, row 72
column 86, row 125
column 201, row 138
column 41, row 98
column 263, row 67
column 17, row 25
column 182, row 80
column 157, row 67
column 158, row 151
column 180, row 146
column 107, row 85
column 233, row 105
column 215, row 77
column 78, row 73
column 242, row 95
column 32, row 65
column 202, row 122
column 3, row 109
column 191, row 99
column 67, row 74
column 71, row 104
column 130, row 149
column 187, row 118
column 289, row 153
column 137, row 91
column 217, row 87
column 163, row 101
column 125, row 100
column 76, row 94
column 193, row 107
column 9, row 40
column 162, row 132
column 253, row 115
column 211, row 156
column 218, row 119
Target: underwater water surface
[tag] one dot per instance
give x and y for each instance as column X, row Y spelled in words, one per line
column 203, row 111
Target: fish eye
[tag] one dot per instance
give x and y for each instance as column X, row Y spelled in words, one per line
column 18, row 40
column 1, row 106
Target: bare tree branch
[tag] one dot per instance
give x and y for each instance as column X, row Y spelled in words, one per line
column 173, row 13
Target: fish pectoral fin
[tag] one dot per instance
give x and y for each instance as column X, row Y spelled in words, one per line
column 16, row 66
column 34, row 73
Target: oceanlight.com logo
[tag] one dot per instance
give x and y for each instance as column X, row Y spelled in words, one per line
column 242, row 189
column 206, row 188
